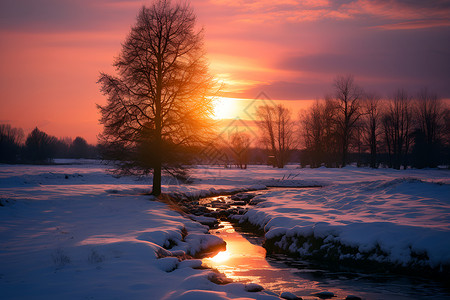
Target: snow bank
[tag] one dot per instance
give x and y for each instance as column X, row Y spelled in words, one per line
column 404, row 222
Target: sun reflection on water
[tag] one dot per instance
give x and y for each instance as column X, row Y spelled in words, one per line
column 221, row 257
column 241, row 257
column 245, row 262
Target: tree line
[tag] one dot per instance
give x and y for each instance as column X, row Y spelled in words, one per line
column 403, row 130
column 353, row 126
column 39, row 147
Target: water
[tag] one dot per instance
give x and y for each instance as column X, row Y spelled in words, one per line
column 245, row 261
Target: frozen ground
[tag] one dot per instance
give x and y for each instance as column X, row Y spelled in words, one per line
column 73, row 231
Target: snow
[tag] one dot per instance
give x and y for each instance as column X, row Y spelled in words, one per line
column 75, row 231
column 404, row 217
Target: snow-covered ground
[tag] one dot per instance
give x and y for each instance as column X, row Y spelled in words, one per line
column 74, row 231
column 400, row 221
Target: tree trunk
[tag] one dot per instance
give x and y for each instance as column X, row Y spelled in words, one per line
column 373, row 156
column 344, row 151
column 156, row 190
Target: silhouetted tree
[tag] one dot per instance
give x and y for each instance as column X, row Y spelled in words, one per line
column 357, row 142
column 318, row 133
column 62, row 147
column 347, row 111
column 240, row 145
column 10, row 141
column 428, row 136
column 372, row 112
column 446, row 137
column 313, row 134
column 277, row 132
column 40, row 147
column 397, row 129
column 159, row 104
column 79, row 148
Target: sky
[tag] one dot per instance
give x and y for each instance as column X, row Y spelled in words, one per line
column 52, row 51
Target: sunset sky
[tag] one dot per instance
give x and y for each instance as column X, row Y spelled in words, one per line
column 51, row 52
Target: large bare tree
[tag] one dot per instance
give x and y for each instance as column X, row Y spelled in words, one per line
column 277, row 132
column 159, row 103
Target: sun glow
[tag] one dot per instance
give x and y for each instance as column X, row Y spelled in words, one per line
column 225, row 108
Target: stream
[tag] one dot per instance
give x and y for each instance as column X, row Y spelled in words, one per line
column 245, row 260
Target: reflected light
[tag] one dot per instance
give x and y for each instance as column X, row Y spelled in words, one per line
column 221, row 257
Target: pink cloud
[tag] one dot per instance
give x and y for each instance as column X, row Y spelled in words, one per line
column 310, row 11
column 415, row 25
column 397, row 10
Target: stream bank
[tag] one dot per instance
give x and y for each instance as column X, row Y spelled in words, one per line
column 306, row 278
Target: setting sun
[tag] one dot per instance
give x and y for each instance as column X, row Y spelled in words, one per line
column 225, row 108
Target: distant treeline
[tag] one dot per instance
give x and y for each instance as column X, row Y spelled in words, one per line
column 358, row 127
column 39, row 147
column 349, row 126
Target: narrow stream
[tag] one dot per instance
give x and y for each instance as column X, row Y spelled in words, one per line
column 245, row 260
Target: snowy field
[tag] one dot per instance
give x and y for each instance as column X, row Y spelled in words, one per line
column 74, row 231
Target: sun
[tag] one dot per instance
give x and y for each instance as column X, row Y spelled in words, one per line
column 225, row 108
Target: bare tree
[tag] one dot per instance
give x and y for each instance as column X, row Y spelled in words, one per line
column 240, row 146
column 313, row 133
column 348, row 110
column 332, row 138
column 446, row 136
column 372, row 125
column 277, row 132
column 160, row 102
column 428, row 136
column 397, row 127
column 318, row 133
column 357, row 141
